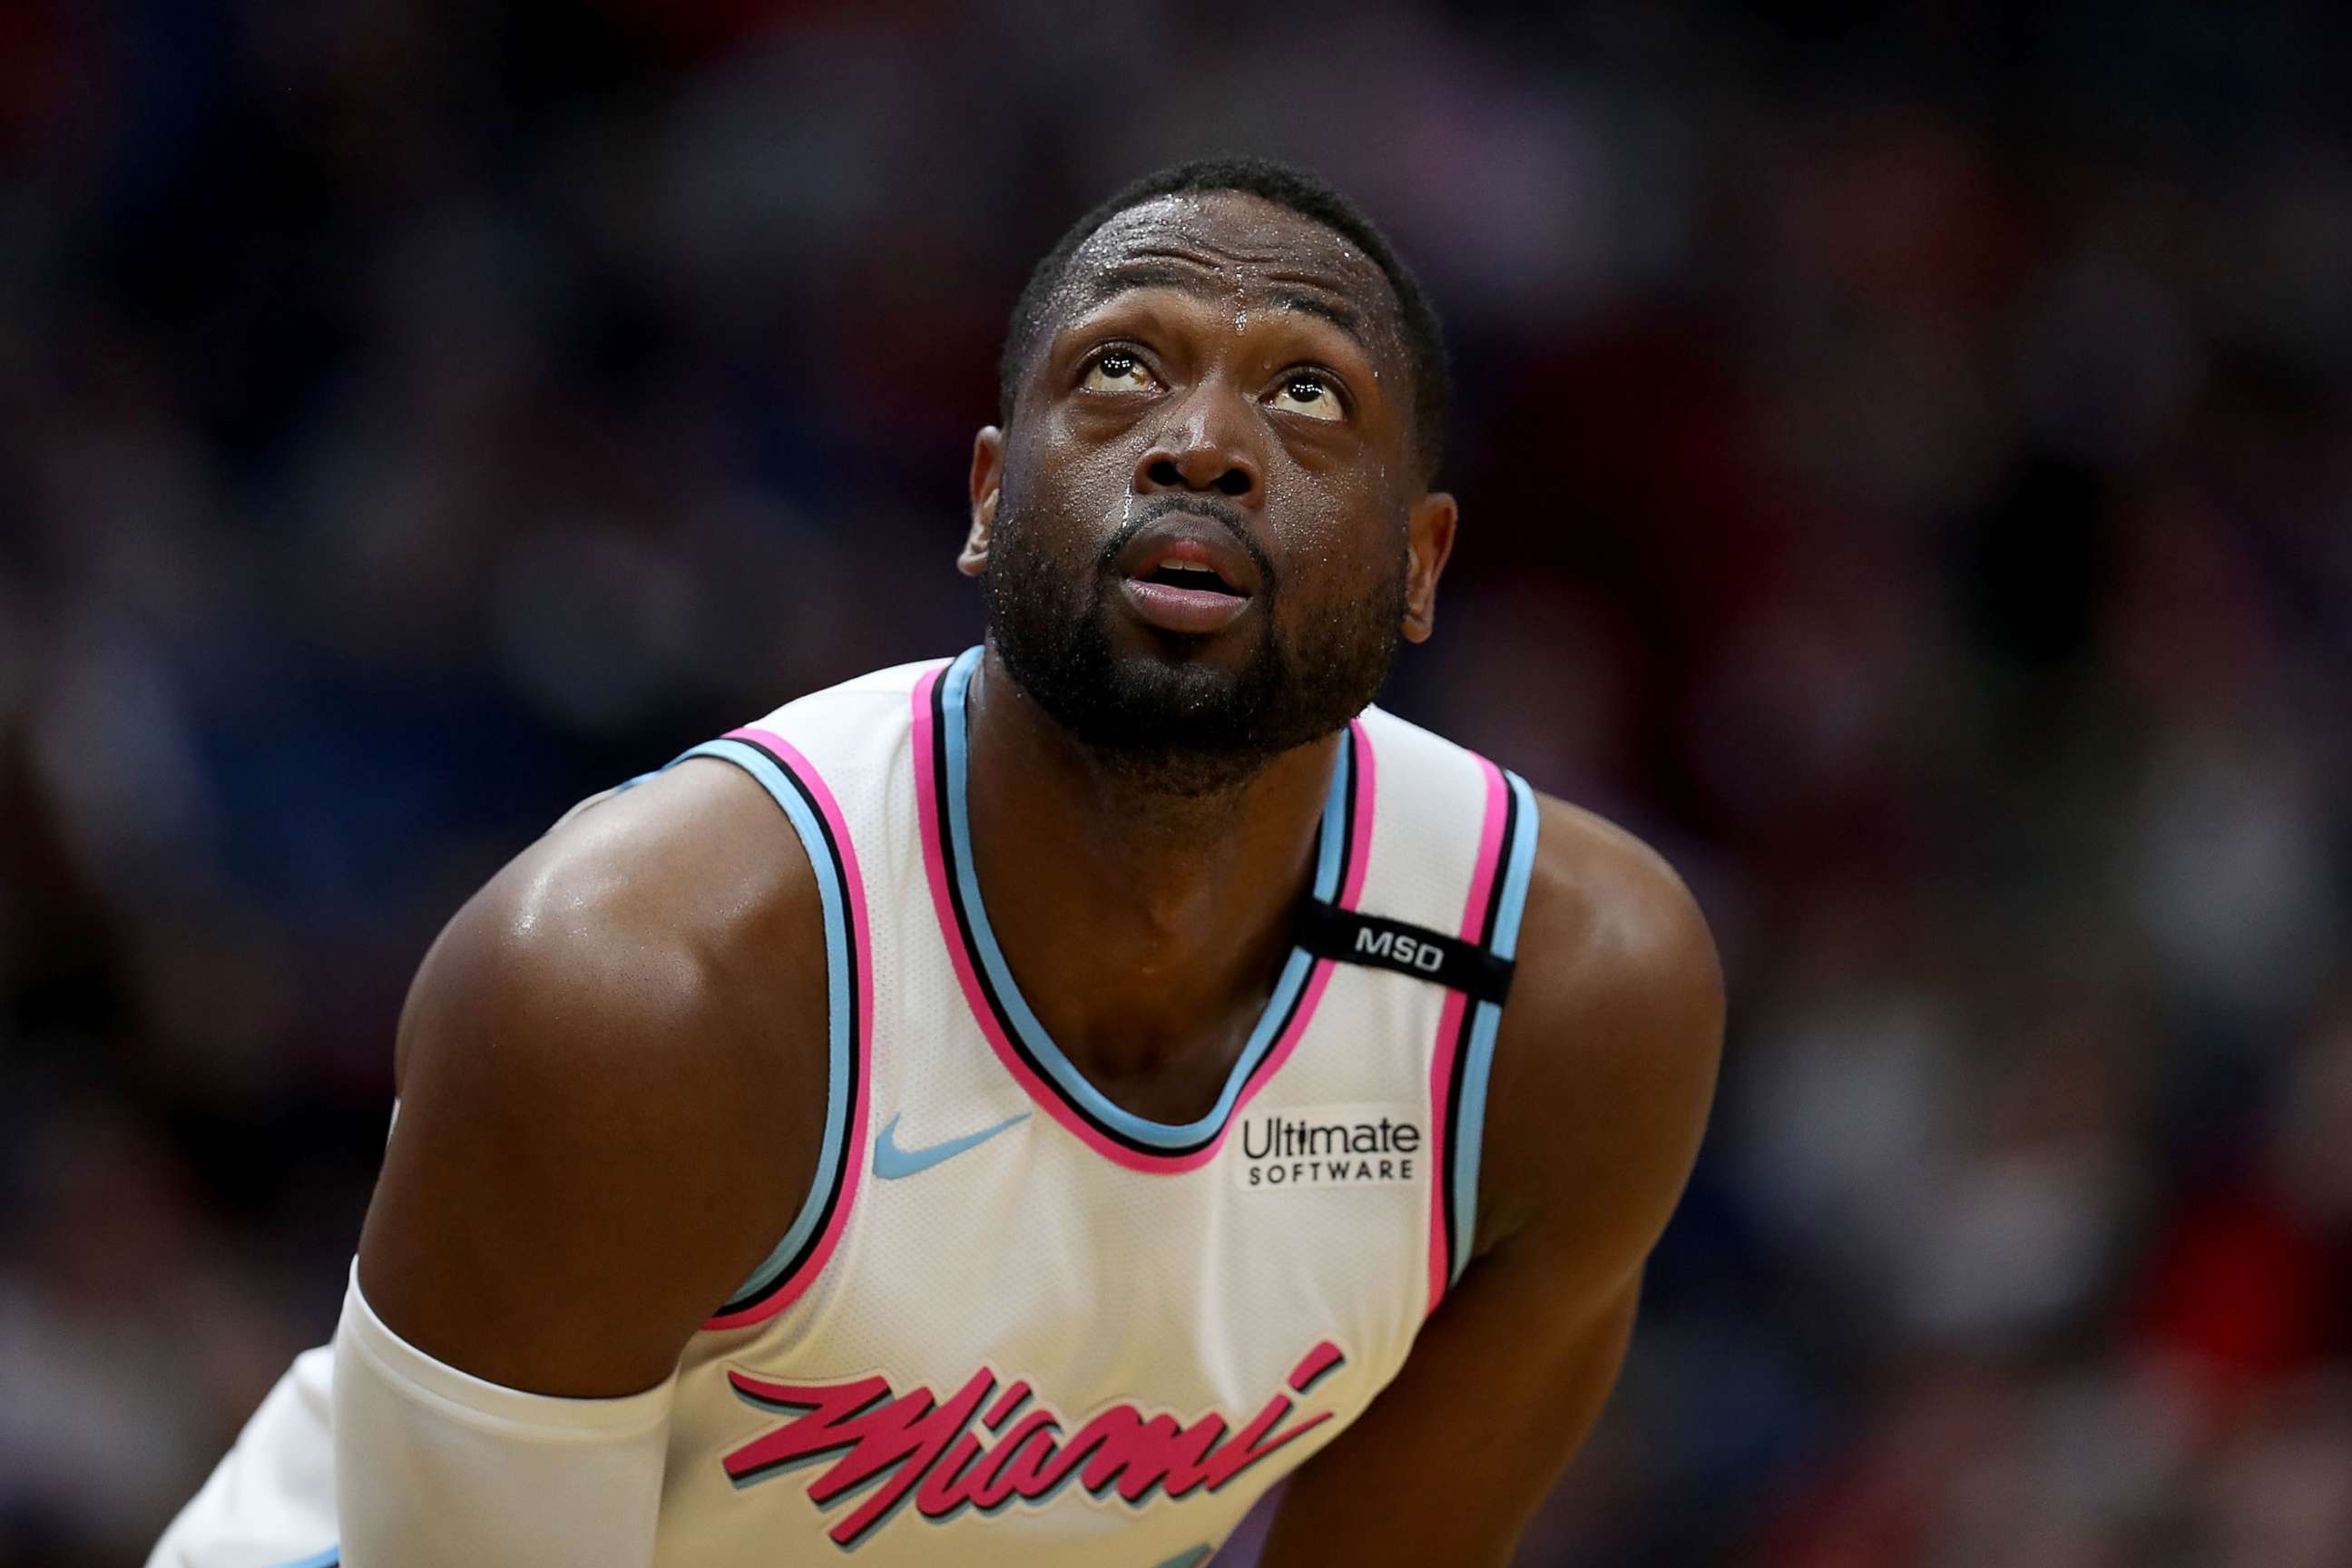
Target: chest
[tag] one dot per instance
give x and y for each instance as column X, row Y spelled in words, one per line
column 1022, row 1337
column 1018, row 1324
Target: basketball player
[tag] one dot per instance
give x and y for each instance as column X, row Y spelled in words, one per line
column 1015, row 1109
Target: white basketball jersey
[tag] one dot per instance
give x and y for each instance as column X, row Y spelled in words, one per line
column 1013, row 1323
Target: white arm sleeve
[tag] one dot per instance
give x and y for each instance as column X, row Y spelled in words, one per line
column 437, row 1469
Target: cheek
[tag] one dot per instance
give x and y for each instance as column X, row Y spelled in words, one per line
column 1331, row 561
column 1071, row 489
column 1344, row 519
column 1334, row 498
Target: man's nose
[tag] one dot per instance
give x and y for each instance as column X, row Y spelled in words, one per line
column 1206, row 445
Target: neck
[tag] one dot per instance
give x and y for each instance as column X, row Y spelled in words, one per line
column 1145, row 927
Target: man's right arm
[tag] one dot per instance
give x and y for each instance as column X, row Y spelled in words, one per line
column 611, row 1079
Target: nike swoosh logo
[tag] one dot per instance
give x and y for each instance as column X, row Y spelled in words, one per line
column 892, row 1162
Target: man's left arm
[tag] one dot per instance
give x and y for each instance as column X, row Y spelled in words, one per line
column 1603, row 1070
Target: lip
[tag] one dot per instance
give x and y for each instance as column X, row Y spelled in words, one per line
column 1195, row 540
column 1192, row 612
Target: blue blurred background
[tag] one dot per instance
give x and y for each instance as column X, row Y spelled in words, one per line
column 1906, row 475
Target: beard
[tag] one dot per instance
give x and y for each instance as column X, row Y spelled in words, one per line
column 1156, row 716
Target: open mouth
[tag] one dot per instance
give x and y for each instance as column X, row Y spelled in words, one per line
column 1187, row 575
column 1198, row 575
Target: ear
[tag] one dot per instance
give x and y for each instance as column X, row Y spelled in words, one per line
column 1430, row 537
column 987, row 479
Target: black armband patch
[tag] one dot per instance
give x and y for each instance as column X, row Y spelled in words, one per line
column 1345, row 936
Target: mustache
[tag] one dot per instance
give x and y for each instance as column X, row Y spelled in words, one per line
column 1216, row 508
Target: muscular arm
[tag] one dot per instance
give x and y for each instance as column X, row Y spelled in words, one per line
column 1603, row 1070
column 611, row 1077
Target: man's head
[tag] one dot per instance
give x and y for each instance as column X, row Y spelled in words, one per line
column 1206, row 521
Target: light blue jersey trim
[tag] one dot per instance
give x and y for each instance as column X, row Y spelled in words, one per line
column 327, row 1558
column 1470, row 1120
column 833, row 888
column 1331, row 847
column 1065, row 1076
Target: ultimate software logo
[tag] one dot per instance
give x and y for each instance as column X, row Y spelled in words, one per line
column 934, row 1454
column 1329, row 1146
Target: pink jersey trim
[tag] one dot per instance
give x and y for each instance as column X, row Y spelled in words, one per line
column 1360, row 850
column 928, row 808
column 852, row 1151
column 1449, row 1025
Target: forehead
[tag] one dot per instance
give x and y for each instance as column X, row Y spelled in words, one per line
column 1219, row 242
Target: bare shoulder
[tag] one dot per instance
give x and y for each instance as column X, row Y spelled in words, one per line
column 1602, row 1070
column 656, row 929
column 611, row 1076
column 1605, row 1063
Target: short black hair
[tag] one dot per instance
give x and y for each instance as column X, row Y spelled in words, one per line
column 1285, row 186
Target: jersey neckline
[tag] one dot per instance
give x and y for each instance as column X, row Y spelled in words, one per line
column 1005, row 1016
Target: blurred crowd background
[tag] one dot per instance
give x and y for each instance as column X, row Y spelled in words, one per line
column 1906, row 462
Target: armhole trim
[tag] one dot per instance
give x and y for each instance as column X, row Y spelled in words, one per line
column 1463, row 1058
column 795, row 1261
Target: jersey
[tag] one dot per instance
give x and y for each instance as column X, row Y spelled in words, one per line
column 1012, row 1322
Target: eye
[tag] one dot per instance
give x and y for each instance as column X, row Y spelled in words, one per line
column 1118, row 370
column 1310, row 393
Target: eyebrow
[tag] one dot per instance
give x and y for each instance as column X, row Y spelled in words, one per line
column 1125, row 276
